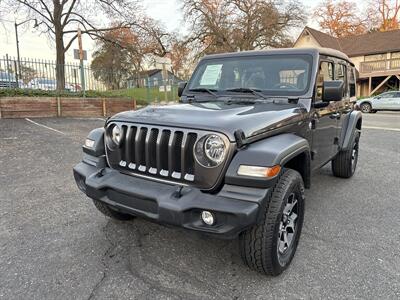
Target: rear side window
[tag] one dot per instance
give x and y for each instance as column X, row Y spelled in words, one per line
column 325, row 73
column 341, row 74
column 352, row 82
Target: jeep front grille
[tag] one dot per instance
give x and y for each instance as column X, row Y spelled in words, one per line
column 156, row 151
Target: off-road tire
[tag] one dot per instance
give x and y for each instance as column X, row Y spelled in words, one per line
column 344, row 164
column 259, row 244
column 366, row 107
column 109, row 212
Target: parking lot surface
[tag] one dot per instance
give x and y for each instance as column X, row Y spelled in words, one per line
column 54, row 244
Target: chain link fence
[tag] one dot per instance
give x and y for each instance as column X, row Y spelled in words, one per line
column 37, row 76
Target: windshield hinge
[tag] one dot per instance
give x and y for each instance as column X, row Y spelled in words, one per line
column 240, row 138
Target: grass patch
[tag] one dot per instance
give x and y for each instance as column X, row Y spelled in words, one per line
column 142, row 95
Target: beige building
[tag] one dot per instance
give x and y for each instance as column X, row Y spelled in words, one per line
column 376, row 56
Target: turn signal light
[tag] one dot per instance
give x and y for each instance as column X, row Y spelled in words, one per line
column 257, row 171
column 89, row 143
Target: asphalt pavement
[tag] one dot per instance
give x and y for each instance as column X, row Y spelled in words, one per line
column 54, row 244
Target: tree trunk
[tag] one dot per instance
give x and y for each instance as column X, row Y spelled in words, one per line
column 60, row 62
column 60, row 49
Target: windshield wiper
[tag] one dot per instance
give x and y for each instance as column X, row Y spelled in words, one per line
column 248, row 90
column 210, row 91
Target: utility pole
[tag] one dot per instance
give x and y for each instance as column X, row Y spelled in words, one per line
column 18, row 72
column 81, row 62
column 18, row 57
column 165, row 77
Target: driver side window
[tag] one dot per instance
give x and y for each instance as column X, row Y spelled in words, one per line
column 325, row 74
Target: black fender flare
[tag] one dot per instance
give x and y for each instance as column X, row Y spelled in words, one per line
column 272, row 151
column 349, row 128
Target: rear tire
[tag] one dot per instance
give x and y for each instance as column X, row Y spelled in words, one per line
column 269, row 246
column 366, row 107
column 109, row 212
column 345, row 163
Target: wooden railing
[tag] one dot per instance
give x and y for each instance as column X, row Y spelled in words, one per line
column 380, row 65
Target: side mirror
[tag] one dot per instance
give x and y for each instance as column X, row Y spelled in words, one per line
column 181, row 87
column 332, row 90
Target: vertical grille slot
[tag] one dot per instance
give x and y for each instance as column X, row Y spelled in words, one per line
column 132, row 133
column 128, row 144
column 177, row 152
column 140, row 141
column 171, row 156
column 162, row 150
column 123, row 155
column 189, row 158
column 151, row 143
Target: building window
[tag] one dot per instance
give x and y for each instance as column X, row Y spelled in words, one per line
column 375, row 57
column 395, row 55
column 155, row 81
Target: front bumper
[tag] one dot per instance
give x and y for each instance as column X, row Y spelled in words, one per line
column 235, row 208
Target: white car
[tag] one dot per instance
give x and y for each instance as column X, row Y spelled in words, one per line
column 43, row 84
column 385, row 101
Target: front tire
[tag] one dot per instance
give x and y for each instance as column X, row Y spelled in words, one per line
column 345, row 163
column 269, row 246
column 111, row 213
column 366, row 108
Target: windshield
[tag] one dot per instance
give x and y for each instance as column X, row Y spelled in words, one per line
column 47, row 81
column 276, row 75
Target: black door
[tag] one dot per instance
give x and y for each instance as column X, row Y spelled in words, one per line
column 324, row 121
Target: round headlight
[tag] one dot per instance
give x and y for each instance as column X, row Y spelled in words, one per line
column 210, row 150
column 115, row 134
column 214, row 148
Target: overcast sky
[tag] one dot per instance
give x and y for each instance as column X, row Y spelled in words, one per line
column 33, row 45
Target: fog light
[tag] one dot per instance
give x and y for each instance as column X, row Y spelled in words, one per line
column 89, row 143
column 207, row 217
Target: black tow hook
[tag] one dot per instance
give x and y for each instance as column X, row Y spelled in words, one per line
column 178, row 191
column 101, row 172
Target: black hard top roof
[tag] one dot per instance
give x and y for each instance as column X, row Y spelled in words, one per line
column 312, row 51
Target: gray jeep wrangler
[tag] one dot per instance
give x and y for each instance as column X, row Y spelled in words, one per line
column 233, row 158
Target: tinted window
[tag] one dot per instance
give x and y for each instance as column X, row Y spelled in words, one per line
column 387, row 95
column 272, row 74
column 341, row 74
column 325, row 74
column 7, row 76
column 352, row 82
column 46, row 81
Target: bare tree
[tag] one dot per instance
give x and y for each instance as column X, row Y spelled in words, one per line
column 60, row 19
column 232, row 25
column 181, row 58
column 340, row 18
column 384, row 15
column 121, row 52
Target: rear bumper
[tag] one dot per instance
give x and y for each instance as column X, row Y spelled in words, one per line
column 235, row 208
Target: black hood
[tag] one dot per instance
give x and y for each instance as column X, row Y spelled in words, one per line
column 253, row 119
